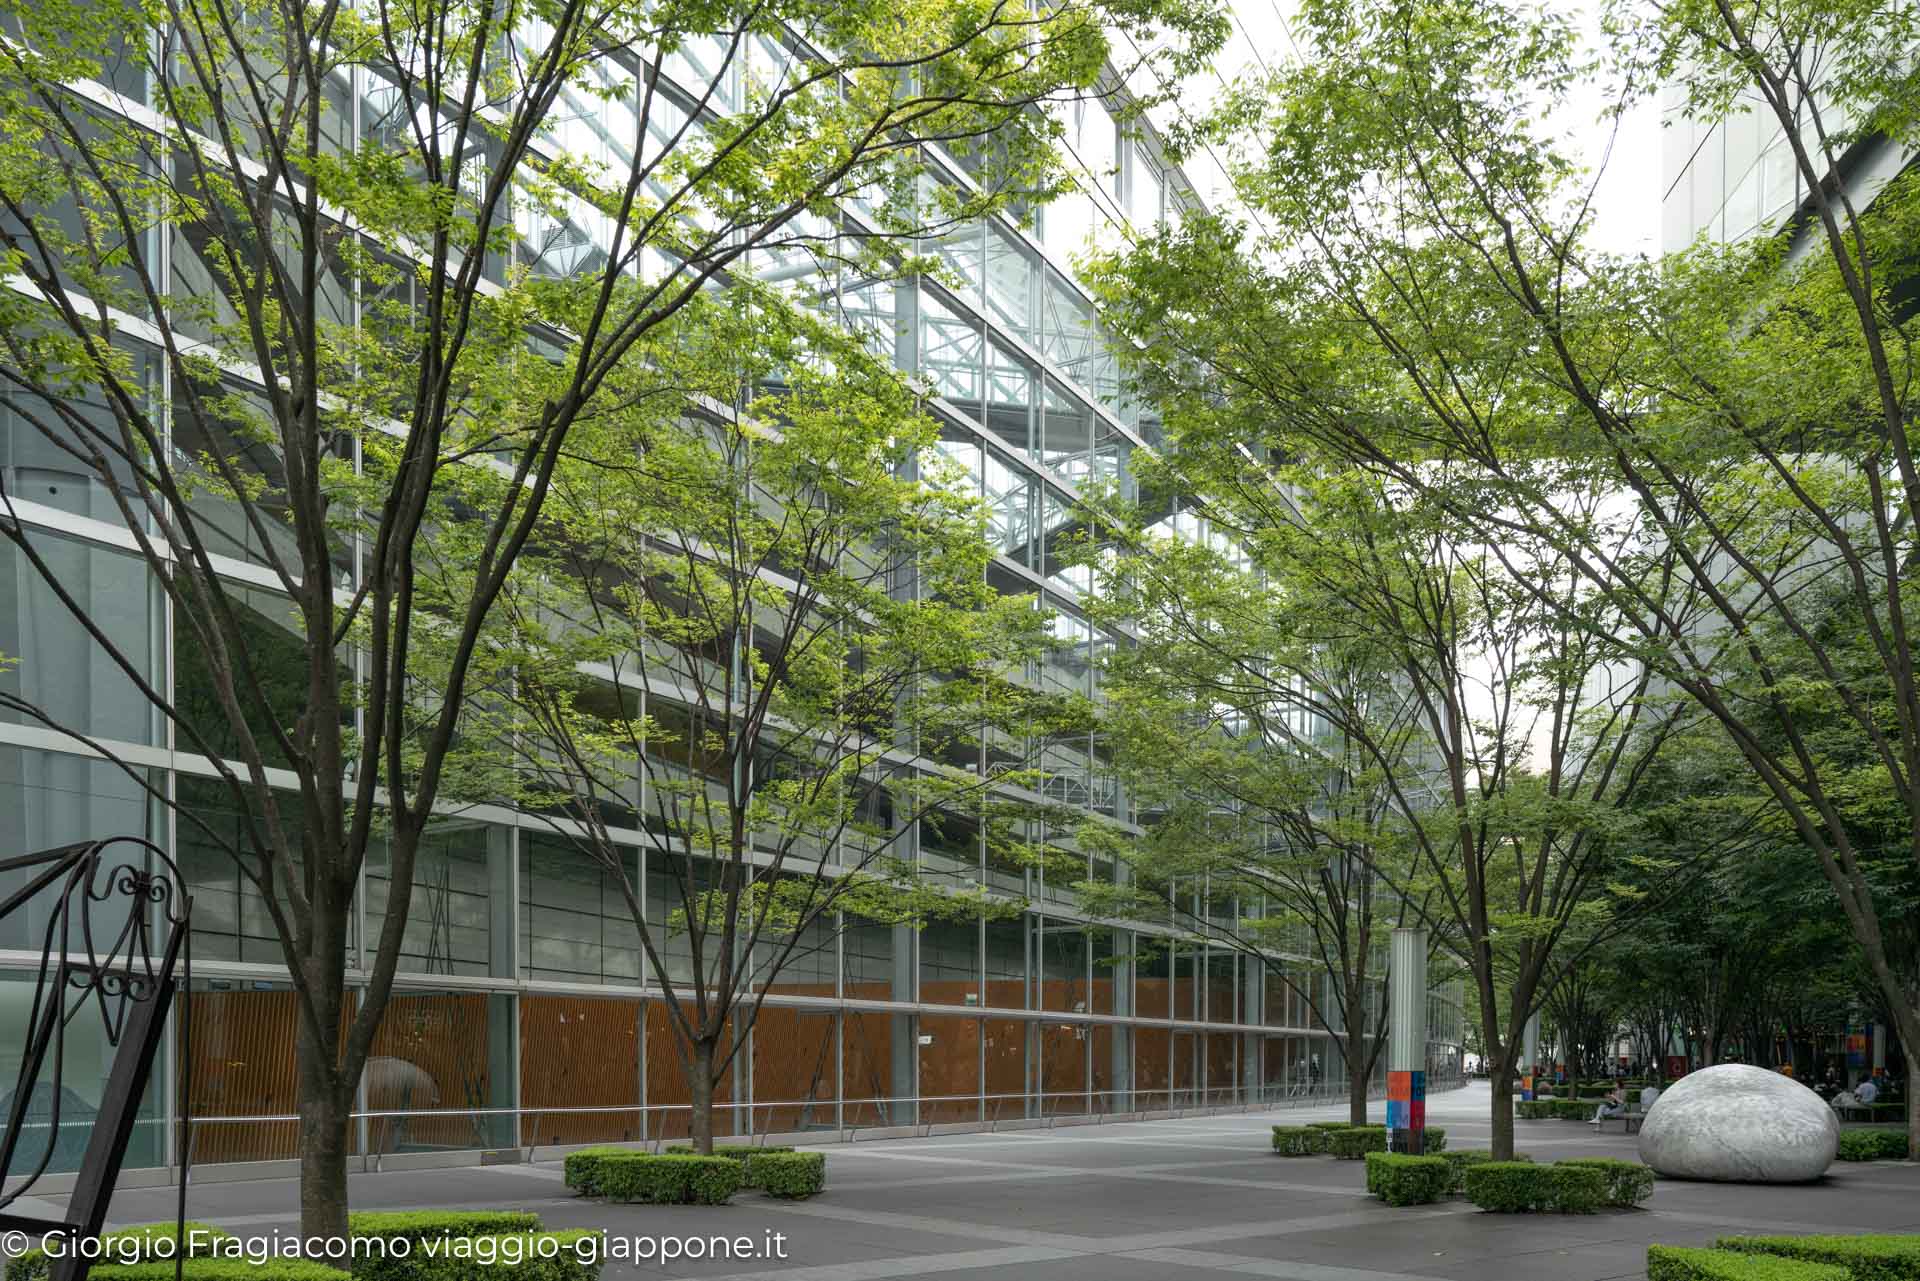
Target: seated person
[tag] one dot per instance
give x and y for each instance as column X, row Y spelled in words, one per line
column 1845, row 1099
column 1613, row 1105
column 1866, row 1092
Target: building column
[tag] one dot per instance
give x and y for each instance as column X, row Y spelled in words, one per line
column 906, row 1043
column 1252, row 989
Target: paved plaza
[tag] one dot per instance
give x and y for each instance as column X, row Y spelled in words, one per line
column 1199, row 1197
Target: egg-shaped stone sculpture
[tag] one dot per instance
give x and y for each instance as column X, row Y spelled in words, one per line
column 1739, row 1124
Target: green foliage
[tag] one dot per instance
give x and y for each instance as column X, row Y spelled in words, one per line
column 1460, row 1160
column 504, row 360
column 129, row 1246
column 746, row 1156
column 581, row 1170
column 1577, row 1189
column 1352, row 1142
column 668, row 1180
column 1296, row 1140
column 566, row 1255
column 1399, row 1179
column 205, row 1269
column 1873, row 1145
column 1699, row 467
column 411, row 1236
column 423, row 1225
column 1628, row 1182
column 1435, row 1140
column 1514, row 1187
column 791, row 1175
column 1865, row 1258
column 1534, row 1109
column 1329, row 1125
column 1686, row 1263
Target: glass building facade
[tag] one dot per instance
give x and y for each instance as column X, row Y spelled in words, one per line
column 522, row 1016
column 1732, row 179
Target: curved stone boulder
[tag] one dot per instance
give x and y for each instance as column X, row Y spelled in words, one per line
column 1739, row 1124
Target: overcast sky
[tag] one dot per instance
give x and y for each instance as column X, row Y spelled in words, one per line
column 1628, row 198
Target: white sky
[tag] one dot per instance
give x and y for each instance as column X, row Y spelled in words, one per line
column 1627, row 200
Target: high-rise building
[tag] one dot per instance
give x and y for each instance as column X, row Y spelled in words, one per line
column 522, row 1014
column 1736, row 178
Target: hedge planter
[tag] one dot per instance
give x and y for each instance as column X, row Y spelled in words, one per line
column 668, row 1180
column 1681, row 1263
column 1399, row 1179
column 570, row 1255
column 745, row 1156
column 1873, row 1145
column 1521, row 1187
column 1458, row 1162
column 791, row 1175
column 1864, row 1258
column 206, row 1269
column 408, row 1236
column 582, row 1168
column 1296, row 1140
column 129, row 1247
column 1628, row 1182
column 1355, row 1141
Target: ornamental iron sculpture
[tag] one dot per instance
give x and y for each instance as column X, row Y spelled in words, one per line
column 115, row 928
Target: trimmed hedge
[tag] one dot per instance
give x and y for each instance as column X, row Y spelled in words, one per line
column 1873, row 1145
column 744, row 1155
column 790, row 1175
column 1436, row 1140
column 1555, row 1109
column 410, row 1233
column 1577, row 1189
column 582, row 1168
column 668, row 1180
column 1399, row 1179
column 128, row 1247
column 1329, row 1125
column 1521, row 1187
column 570, row 1255
column 1863, row 1258
column 1457, row 1163
column 1628, row 1182
column 1684, row 1263
column 428, row 1225
column 1355, row 1141
column 202, row 1268
column 1296, row 1140
column 1533, row 1109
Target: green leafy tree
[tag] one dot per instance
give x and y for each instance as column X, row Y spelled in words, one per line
column 1504, row 745
column 369, row 252
column 1248, row 792
column 762, row 648
column 1715, row 444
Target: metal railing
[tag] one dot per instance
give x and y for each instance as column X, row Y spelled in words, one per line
column 380, row 1133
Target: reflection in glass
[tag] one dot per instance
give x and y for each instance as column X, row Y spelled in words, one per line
column 49, row 660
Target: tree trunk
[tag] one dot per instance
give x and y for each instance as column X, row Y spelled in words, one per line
column 1356, row 1080
column 326, row 1106
column 1500, row 1113
column 700, row 1091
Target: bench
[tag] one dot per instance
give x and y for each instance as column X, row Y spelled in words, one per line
column 1629, row 1122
